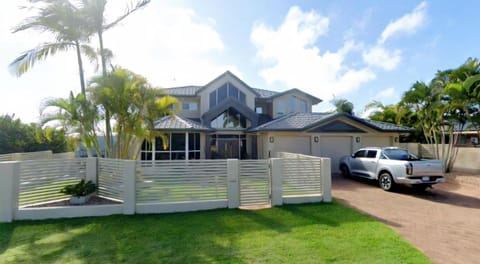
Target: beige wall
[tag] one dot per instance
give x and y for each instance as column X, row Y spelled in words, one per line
column 186, row 113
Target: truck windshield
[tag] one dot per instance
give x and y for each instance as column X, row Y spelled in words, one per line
column 398, row 154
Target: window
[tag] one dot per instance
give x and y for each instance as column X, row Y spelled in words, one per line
column 213, row 99
column 371, row 154
column 222, row 93
column 225, row 91
column 302, row 106
column 174, row 148
column 190, row 106
column 259, row 110
column 292, row 102
column 281, row 108
column 232, row 91
column 360, row 154
column 229, row 119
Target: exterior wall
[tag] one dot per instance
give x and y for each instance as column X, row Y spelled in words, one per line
column 285, row 99
column 205, row 94
column 187, row 113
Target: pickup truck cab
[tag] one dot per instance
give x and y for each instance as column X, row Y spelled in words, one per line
column 391, row 166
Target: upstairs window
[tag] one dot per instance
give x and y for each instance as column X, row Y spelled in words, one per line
column 190, row 106
column 225, row 91
column 229, row 119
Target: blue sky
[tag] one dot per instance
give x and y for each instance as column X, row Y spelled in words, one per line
column 357, row 50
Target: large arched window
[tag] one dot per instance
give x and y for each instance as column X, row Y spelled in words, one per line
column 231, row 118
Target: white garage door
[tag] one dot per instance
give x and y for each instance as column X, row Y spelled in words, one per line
column 376, row 141
column 299, row 145
column 335, row 148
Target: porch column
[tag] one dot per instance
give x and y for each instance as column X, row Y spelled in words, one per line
column 186, row 145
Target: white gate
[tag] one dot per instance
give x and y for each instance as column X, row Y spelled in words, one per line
column 255, row 184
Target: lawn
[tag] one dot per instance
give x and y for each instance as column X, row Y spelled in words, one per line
column 313, row 233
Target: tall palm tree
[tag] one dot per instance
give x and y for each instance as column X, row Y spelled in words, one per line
column 94, row 13
column 134, row 106
column 61, row 19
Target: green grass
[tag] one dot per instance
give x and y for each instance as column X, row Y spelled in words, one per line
column 313, row 233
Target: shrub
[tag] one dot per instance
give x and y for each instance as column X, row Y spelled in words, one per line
column 82, row 188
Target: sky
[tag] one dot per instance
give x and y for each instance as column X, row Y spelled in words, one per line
column 362, row 51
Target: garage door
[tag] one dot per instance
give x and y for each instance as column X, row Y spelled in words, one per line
column 335, row 148
column 376, row 141
column 299, row 145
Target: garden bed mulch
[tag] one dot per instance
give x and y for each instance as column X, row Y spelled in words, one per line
column 94, row 200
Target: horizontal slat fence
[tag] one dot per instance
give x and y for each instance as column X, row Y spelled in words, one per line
column 181, row 181
column 6, row 157
column 110, row 178
column 301, row 177
column 41, row 180
column 254, row 177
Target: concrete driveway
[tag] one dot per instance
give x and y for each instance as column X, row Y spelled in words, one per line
column 443, row 222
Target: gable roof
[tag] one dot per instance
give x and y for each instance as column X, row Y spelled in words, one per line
column 315, row 100
column 307, row 121
column 174, row 122
column 228, row 73
column 193, row 90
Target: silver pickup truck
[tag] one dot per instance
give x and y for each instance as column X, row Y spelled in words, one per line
column 391, row 166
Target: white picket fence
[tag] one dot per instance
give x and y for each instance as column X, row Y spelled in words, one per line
column 161, row 186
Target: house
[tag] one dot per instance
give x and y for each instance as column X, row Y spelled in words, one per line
column 227, row 118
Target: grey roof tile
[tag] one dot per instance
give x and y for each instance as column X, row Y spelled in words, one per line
column 175, row 122
column 305, row 121
column 183, row 90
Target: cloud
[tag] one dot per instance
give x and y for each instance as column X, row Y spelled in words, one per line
column 290, row 57
column 179, row 49
column 407, row 24
column 386, row 93
column 380, row 57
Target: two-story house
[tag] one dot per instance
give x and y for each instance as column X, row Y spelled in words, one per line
column 227, row 118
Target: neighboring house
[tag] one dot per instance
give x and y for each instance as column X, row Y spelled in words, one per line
column 227, row 118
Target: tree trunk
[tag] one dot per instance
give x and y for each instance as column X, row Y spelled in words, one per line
column 80, row 67
column 102, row 54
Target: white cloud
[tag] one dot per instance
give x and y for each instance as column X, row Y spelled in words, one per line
column 178, row 49
column 407, row 24
column 168, row 44
column 380, row 57
column 293, row 60
column 387, row 93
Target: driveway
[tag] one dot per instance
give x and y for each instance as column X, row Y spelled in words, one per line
column 443, row 222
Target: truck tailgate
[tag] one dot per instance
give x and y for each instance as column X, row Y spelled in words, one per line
column 427, row 168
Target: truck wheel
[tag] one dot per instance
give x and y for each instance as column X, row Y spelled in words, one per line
column 345, row 171
column 386, row 182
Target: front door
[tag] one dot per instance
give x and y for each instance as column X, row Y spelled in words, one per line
column 228, row 147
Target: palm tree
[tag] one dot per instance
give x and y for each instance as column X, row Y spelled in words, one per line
column 62, row 20
column 343, row 106
column 76, row 115
column 134, row 106
column 94, row 13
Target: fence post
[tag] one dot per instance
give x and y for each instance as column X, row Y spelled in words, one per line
column 129, row 178
column 233, row 168
column 9, row 185
column 326, row 176
column 277, row 178
column 91, row 174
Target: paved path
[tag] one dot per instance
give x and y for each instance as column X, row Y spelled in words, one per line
column 444, row 223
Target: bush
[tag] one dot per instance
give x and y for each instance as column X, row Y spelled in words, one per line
column 80, row 189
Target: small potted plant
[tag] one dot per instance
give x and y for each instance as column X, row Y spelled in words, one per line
column 80, row 192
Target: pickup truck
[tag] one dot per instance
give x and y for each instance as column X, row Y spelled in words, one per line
column 391, row 166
